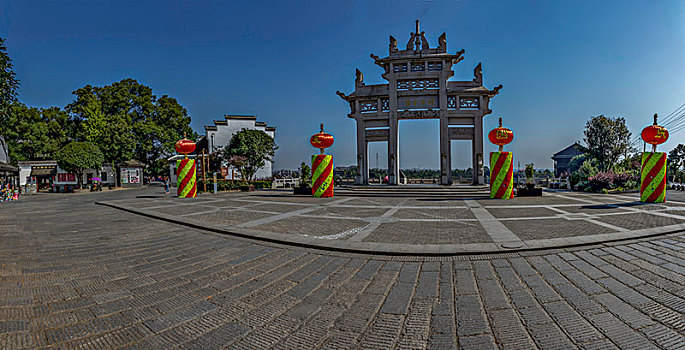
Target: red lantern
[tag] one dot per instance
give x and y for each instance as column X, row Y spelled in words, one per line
column 321, row 140
column 654, row 134
column 185, row 146
column 500, row 136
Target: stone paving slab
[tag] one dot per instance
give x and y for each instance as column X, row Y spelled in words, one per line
column 423, row 226
column 119, row 280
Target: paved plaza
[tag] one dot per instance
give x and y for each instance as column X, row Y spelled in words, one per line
column 418, row 226
column 76, row 274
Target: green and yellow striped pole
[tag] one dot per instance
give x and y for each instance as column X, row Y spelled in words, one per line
column 653, row 177
column 186, row 172
column 501, row 175
column 322, row 175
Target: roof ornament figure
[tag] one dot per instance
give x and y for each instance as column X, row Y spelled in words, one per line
column 442, row 41
column 393, row 45
column 478, row 74
column 359, row 80
column 410, row 43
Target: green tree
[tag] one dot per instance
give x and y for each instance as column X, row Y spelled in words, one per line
column 607, row 140
column 575, row 162
column 305, row 174
column 127, row 121
column 9, row 85
column 78, row 156
column 27, row 134
column 676, row 157
column 255, row 146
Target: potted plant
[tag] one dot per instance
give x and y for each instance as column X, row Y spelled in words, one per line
column 305, row 187
column 529, row 189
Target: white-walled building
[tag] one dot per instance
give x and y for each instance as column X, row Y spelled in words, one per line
column 46, row 173
column 219, row 134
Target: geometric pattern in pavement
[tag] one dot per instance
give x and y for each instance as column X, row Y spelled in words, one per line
column 420, row 225
column 77, row 275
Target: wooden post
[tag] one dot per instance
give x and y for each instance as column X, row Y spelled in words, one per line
column 204, row 171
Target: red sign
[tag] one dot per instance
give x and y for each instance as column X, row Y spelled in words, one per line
column 64, row 177
column 224, row 172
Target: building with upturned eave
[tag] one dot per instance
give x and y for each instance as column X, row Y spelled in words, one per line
column 562, row 159
column 220, row 134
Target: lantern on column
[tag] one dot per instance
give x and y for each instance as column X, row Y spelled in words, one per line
column 186, row 171
column 501, row 164
column 322, row 165
column 653, row 171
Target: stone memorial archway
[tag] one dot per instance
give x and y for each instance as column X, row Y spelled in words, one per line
column 418, row 88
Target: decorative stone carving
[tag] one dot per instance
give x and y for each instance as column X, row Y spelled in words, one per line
column 410, row 43
column 417, row 102
column 435, row 66
column 368, row 106
column 424, row 42
column 451, row 102
column 461, row 133
column 429, row 114
column 359, row 80
column 343, row 96
column 458, row 57
column 442, row 42
column 399, row 67
column 469, row 102
column 478, row 75
column 377, row 60
column 375, row 135
column 393, row 45
column 496, row 90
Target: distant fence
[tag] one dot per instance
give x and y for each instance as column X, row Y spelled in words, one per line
column 285, row 183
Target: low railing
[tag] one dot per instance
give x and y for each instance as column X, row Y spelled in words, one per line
column 285, row 183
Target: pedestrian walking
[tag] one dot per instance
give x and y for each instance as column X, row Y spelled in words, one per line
column 166, row 185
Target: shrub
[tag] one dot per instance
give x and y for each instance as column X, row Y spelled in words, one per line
column 574, row 179
column 601, row 181
column 608, row 181
column 232, row 185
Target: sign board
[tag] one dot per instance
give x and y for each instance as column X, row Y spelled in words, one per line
column 417, row 102
column 65, row 177
column 377, row 135
column 461, row 133
column 130, row 175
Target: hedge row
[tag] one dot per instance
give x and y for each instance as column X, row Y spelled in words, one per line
column 231, row 185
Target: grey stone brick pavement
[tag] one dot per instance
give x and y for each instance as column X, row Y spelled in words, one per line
column 78, row 275
column 428, row 226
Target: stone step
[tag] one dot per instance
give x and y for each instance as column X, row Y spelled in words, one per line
column 415, row 191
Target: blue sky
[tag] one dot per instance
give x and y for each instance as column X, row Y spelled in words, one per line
column 560, row 62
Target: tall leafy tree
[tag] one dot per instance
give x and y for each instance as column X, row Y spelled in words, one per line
column 78, row 156
column 157, row 134
column 675, row 158
column 8, row 87
column 26, row 134
column 127, row 121
column 250, row 150
column 607, row 140
column 37, row 134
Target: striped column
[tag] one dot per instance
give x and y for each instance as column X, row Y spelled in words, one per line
column 501, row 175
column 653, row 177
column 185, row 170
column 322, row 175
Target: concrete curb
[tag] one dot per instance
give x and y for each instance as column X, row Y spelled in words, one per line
column 390, row 249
